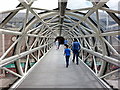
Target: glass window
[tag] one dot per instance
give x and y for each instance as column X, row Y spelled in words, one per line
column 106, row 21
column 3, row 16
column 16, row 23
column 8, row 4
column 103, row 17
column 77, row 4
column 46, row 4
column 114, row 4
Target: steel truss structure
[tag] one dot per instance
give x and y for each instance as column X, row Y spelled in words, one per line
column 37, row 36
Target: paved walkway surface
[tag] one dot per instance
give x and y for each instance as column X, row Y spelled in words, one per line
column 52, row 73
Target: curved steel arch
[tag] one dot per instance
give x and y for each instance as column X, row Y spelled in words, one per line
column 93, row 26
column 37, row 40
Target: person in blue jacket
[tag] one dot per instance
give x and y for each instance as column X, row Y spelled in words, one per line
column 75, row 49
column 67, row 54
column 119, row 37
column 65, row 41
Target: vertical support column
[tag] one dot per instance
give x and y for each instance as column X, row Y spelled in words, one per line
column 18, row 48
column 45, row 46
column 83, row 44
column 107, row 22
column 3, row 43
column 103, row 66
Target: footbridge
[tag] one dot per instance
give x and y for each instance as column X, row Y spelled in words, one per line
column 28, row 55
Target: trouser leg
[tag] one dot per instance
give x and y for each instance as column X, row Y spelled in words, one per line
column 58, row 46
column 67, row 61
column 77, row 54
column 73, row 57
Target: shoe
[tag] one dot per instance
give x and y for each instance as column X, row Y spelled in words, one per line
column 77, row 63
column 66, row 66
column 73, row 61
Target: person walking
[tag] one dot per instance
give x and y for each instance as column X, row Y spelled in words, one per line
column 65, row 41
column 57, row 44
column 67, row 54
column 75, row 49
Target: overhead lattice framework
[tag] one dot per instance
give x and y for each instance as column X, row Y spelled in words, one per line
column 38, row 31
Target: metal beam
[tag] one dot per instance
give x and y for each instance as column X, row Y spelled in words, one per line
column 18, row 56
column 26, row 5
column 113, row 15
column 7, row 19
column 103, row 57
column 62, row 7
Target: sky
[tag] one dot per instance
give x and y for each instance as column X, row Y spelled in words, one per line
column 51, row 4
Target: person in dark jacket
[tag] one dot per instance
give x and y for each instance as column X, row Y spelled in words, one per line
column 75, row 49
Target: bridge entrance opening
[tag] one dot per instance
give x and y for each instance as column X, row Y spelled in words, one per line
column 60, row 39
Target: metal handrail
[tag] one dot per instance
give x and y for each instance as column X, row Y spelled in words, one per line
column 18, row 56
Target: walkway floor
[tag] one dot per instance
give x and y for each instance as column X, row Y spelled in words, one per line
column 52, row 73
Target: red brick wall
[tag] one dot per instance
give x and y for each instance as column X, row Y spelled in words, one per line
column 8, row 42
